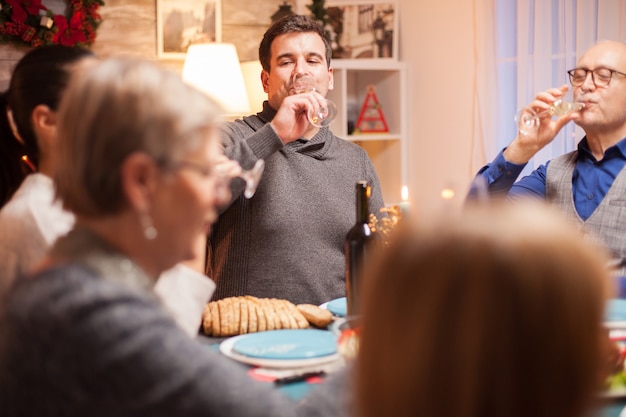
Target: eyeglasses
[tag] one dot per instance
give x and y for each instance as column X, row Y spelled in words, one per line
column 601, row 77
column 203, row 170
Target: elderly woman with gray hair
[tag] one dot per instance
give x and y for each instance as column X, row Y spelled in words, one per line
column 85, row 335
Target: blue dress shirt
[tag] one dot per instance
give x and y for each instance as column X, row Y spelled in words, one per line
column 590, row 182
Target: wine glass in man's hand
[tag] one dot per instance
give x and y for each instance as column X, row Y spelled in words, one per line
column 320, row 116
column 528, row 120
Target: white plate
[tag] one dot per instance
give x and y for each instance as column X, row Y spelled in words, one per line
column 226, row 347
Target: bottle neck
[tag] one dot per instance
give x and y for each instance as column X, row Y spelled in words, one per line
column 363, row 191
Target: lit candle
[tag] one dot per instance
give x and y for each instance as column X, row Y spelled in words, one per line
column 405, row 205
column 447, row 193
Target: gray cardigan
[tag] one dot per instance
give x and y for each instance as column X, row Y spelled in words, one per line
column 88, row 339
column 287, row 241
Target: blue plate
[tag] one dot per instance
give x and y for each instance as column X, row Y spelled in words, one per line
column 287, row 344
column 616, row 310
column 338, row 307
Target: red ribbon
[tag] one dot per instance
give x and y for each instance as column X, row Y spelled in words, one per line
column 21, row 9
column 70, row 33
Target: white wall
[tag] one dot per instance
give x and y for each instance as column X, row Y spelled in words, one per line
column 437, row 43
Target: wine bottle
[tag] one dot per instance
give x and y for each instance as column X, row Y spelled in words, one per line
column 358, row 245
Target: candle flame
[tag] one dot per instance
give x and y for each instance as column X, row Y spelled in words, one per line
column 405, row 193
column 447, row 193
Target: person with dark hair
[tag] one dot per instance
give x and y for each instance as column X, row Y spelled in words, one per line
column 30, row 221
column 33, row 219
column 460, row 319
column 27, row 108
column 287, row 241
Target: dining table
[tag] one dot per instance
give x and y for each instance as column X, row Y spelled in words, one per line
column 297, row 381
column 294, row 383
column 294, row 378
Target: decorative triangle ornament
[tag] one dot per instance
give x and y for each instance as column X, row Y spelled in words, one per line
column 371, row 119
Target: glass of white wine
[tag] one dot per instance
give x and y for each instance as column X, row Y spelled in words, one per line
column 321, row 116
column 528, row 120
column 251, row 177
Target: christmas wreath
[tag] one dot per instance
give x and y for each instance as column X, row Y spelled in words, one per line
column 30, row 23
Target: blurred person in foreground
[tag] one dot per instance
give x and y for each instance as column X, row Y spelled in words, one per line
column 589, row 183
column 287, row 241
column 85, row 335
column 484, row 323
column 32, row 220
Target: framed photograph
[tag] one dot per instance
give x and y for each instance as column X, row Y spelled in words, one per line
column 181, row 23
column 365, row 29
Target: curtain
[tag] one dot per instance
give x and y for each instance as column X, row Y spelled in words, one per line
column 525, row 47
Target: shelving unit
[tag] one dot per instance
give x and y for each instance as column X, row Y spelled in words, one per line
column 387, row 150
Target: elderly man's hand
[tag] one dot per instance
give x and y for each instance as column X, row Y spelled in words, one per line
column 531, row 141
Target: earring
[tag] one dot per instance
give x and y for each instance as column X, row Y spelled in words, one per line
column 149, row 231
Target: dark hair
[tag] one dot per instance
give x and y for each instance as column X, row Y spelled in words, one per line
column 291, row 24
column 39, row 77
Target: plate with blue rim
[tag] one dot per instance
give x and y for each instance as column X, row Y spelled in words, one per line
column 615, row 314
column 338, row 307
column 283, row 348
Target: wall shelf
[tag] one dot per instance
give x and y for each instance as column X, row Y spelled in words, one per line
column 387, row 150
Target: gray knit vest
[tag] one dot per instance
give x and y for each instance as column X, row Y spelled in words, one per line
column 608, row 221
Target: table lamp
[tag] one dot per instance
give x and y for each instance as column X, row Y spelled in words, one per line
column 214, row 69
column 252, row 76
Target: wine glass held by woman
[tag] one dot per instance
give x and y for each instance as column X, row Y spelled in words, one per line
column 485, row 323
column 138, row 169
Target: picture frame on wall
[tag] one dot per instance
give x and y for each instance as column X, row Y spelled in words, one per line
column 181, row 23
column 363, row 29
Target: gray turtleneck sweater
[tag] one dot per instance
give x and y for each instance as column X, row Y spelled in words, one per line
column 287, row 241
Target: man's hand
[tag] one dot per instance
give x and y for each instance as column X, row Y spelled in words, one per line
column 290, row 121
column 527, row 144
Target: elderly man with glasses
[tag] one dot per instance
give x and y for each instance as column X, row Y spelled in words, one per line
column 590, row 182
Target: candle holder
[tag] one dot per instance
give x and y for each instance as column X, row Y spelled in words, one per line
column 389, row 219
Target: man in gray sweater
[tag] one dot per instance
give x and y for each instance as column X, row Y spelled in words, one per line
column 287, row 241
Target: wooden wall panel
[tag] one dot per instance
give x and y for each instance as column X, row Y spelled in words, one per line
column 129, row 28
column 9, row 55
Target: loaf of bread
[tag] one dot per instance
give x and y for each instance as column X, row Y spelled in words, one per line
column 318, row 317
column 239, row 315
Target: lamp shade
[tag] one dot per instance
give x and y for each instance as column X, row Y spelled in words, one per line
column 252, row 76
column 214, row 69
